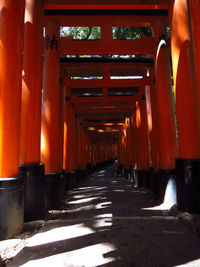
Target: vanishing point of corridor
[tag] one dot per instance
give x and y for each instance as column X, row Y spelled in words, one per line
column 106, row 221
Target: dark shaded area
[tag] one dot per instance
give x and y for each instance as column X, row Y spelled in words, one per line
column 144, row 12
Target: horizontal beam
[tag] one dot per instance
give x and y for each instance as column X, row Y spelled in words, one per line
column 103, row 111
column 84, row 64
column 102, row 99
column 89, row 21
column 101, row 83
column 146, row 45
column 104, row 4
column 97, row 71
column 106, row 116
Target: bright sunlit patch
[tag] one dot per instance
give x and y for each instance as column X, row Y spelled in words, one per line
column 94, row 255
column 125, row 77
column 194, row 263
column 105, row 215
column 103, row 205
column 58, row 234
column 169, row 198
column 105, row 222
column 83, row 208
column 85, row 200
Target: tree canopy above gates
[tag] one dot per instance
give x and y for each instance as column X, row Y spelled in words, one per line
column 94, row 33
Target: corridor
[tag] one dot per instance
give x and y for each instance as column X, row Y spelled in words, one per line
column 107, row 222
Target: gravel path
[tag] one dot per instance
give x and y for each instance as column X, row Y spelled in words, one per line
column 108, row 222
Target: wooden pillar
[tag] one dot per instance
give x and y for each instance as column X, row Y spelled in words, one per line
column 187, row 108
column 142, row 140
column 61, row 107
column 51, row 88
column 31, row 84
column 30, row 167
column 11, row 46
column 153, row 124
column 50, row 152
column 195, row 18
column 166, row 116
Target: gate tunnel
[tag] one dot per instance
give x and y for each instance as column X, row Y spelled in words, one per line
column 70, row 106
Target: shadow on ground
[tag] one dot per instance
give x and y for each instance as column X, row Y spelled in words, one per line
column 106, row 224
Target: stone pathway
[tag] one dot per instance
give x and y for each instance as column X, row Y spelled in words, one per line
column 108, row 222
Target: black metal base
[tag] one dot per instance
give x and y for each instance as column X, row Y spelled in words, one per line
column 34, row 205
column 143, row 178
column 52, row 191
column 126, row 173
column 188, row 184
column 164, row 177
column 11, row 207
column 62, row 180
column 154, row 182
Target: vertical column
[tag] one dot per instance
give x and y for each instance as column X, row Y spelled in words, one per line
column 127, row 149
column 187, row 108
column 50, row 116
column 143, row 138
column 11, row 46
column 166, row 117
column 30, row 167
column 195, row 18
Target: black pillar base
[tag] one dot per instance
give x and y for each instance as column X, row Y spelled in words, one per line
column 72, row 180
column 52, row 191
column 34, row 205
column 188, row 184
column 144, row 178
column 11, row 207
column 62, row 186
column 165, row 177
column 126, row 173
column 154, row 184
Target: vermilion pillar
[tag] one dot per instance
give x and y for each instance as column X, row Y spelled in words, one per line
column 187, row 107
column 11, row 46
column 153, row 123
column 51, row 134
column 50, row 117
column 31, row 84
column 30, row 167
column 166, row 118
column 195, row 17
column 142, row 140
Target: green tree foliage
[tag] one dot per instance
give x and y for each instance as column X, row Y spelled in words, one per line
column 130, row 33
column 81, row 33
column 94, row 33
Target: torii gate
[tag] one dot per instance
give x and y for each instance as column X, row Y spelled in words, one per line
column 20, row 117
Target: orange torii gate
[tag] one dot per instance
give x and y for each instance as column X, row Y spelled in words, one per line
column 21, row 90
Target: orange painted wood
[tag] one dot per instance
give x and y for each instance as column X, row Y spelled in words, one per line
column 50, row 117
column 142, row 137
column 195, row 17
column 61, row 106
column 89, row 4
column 153, row 129
column 123, row 21
column 11, row 46
column 31, row 84
column 185, row 81
column 145, row 45
column 100, row 83
column 166, row 118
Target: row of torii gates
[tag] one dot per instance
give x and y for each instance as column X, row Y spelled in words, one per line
column 83, row 123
